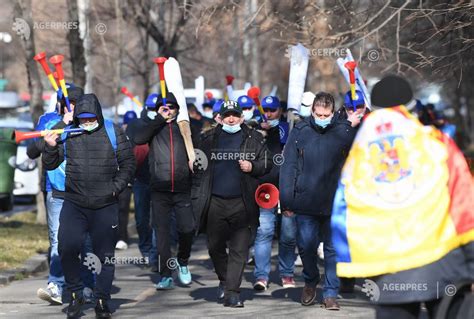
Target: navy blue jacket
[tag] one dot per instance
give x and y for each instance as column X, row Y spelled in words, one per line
column 313, row 159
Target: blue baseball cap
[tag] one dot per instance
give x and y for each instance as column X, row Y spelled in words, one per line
column 349, row 103
column 150, row 102
column 86, row 115
column 216, row 108
column 271, row 102
column 245, row 101
column 129, row 116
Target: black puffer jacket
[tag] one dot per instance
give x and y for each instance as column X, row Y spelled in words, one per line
column 272, row 140
column 95, row 175
column 253, row 146
column 168, row 160
column 313, row 161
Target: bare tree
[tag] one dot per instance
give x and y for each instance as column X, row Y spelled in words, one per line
column 76, row 48
column 23, row 10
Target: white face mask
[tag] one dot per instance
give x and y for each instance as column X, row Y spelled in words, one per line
column 231, row 129
column 151, row 115
column 305, row 111
column 248, row 114
column 207, row 114
column 274, row 123
column 89, row 126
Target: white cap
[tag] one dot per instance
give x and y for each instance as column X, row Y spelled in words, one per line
column 308, row 98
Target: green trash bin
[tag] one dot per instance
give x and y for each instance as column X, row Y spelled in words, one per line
column 7, row 167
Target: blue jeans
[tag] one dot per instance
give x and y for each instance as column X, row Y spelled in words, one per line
column 312, row 230
column 53, row 207
column 56, row 276
column 287, row 246
column 146, row 242
column 263, row 245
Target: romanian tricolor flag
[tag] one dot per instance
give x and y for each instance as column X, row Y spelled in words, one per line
column 405, row 198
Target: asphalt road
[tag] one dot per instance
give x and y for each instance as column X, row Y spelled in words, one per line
column 135, row 297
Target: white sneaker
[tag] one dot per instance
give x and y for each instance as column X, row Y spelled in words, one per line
column 298, row 262
column 88, row 295
column 321, row 251
column 52, row 294
column 121, row 245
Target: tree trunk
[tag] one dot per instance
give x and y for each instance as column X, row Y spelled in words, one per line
column 76, row 48
column 23, row 10
column 84, row 31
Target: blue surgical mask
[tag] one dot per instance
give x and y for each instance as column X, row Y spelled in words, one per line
column 323, row 123
column 207, row 114
column 90, row 126
column 231, row 129
column 305, row 111
column 151, row 115
column 247, row 115
column 273, row 123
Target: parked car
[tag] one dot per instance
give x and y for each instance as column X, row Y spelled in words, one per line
column 26, row 174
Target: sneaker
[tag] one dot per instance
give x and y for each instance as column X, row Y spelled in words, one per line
column 121, row 245
column 298, row 262
column 88, row 294
column 52, row 294
column 166, row 283
column 184, row 275
column 75, row 306
column 220, row 292
column 321, row 251
column 102, row 309
column 288, row 282
column 260, row 285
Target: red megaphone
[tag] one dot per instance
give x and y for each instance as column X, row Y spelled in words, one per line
column 267, row 196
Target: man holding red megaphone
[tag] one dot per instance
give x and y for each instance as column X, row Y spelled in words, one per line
column 224, row 196
column 275, row 138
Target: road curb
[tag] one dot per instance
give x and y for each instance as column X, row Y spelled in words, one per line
column 31, row 266
column 39, row 263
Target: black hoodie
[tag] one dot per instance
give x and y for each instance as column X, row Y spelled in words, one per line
column 94, row 174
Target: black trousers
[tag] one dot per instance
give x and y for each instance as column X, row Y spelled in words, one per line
column 406, row 310
column 102, row 225
column 162, row 204
column 227, row 227
column 124, row 210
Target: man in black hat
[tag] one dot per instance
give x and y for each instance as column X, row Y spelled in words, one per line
column 224, row 196
column 170, row 187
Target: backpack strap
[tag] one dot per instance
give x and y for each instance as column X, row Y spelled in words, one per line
column 109, row 127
